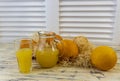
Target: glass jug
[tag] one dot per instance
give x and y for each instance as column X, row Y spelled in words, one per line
column 47, row 53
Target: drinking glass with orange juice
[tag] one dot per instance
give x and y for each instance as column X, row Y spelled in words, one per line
column 23, row 49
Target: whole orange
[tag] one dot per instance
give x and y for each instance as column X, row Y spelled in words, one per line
column 67, row 49
column 103, row 57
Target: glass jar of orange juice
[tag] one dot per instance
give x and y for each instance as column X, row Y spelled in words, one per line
column 46, row 53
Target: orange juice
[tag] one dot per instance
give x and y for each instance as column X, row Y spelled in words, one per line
column 47, row 57
column 24, row 58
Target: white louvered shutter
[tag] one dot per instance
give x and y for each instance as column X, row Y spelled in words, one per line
column 19, row 18
column 94, row 19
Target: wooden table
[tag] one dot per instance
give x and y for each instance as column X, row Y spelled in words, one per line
column 9, row 70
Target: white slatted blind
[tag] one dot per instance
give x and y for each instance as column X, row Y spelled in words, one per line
column 19, row 18
column 94, row 19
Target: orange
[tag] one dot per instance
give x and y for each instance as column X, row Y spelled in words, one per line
column 103, row 58
column 67, row 49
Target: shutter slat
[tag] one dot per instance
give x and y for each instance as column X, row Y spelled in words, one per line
column 15, row 35
column 93, row 36
column 86, row 20
column 22, row 14
column 70, row 19
column 22, row 24
column 85, row 25
column 22, row 20
column 76, row 2
column 22, row 9
column 18, row 0
column 20, row 30
column 87, row 14
column 87, row 8
column 22, row 3
column 86, row 30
